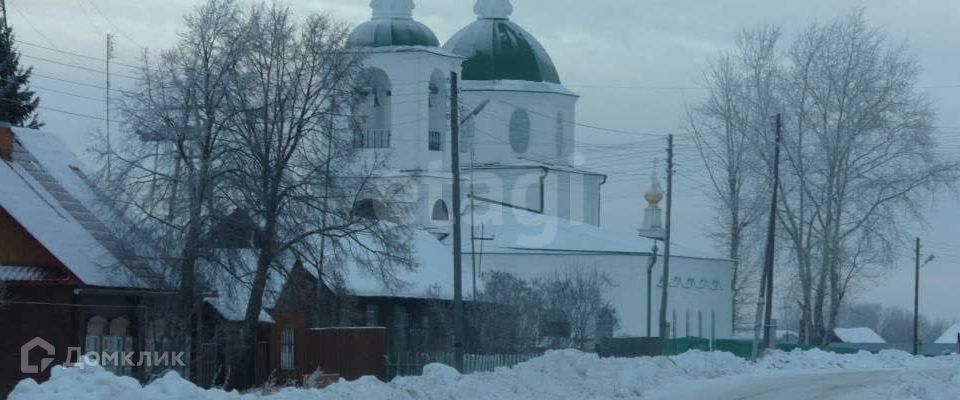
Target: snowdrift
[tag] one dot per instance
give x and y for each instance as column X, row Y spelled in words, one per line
column 564, row 374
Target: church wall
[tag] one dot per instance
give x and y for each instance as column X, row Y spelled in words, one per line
column 628, row 295
column 492, row 139
column 412, row 108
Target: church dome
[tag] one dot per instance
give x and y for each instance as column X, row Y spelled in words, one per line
column 392, row 25
column 498, row 49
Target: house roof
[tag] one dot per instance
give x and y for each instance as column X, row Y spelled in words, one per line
column 45, row 192
column 232, row 278
column 949, row 336
column 858, row 335
column 432, row 277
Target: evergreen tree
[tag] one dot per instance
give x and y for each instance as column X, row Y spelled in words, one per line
column 17, row 102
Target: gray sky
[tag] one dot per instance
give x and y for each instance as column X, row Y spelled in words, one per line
column 635, row 64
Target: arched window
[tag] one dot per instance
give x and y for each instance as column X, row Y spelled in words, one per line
column 520, row 131
column 561, row 137
column 440, row 211
column 372, row 107
column 372, row 209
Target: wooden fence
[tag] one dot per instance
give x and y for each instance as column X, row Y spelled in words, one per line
column 408, row 364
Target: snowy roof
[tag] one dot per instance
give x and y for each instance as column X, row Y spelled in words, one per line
column 432, row 277
column 520, row 231
column 232, row 278
column 950, row 335
column 35, row 196
column 858, row 335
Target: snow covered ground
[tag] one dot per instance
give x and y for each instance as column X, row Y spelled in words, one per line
column 574, row 375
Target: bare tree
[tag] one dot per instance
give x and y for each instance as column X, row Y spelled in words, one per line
column 859, row 152
column 577, row 294
column 869, row 156
column 505, row 318
column 288, row 86
column 166, row 176
column 727, row 128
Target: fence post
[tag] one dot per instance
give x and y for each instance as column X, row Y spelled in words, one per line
column 713, row 328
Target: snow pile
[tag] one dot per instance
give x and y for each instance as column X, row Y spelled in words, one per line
column 564, row 374
column 817, row 359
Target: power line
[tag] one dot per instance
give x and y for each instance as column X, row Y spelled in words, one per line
column 75, row 66
column 40, row 33
column 110, row 21
column 74, row 54
column 90, row 85
column 66, row 93
column 586, row 125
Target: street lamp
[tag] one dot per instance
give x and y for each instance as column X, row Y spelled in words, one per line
column 916, row 298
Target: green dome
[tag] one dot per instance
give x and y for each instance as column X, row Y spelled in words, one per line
column 392, row 32
column 392, row 25
column 498, row 49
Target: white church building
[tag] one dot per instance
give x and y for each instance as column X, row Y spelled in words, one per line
column 527, row 209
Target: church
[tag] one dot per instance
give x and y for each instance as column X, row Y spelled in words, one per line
column 527, row 208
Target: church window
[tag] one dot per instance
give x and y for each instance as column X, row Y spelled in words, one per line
column 440, row 211
column 560, row 135
column 520, row 131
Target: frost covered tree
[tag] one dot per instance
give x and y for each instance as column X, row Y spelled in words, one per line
column 577, row 294
column 728, row 127
column 18, row 104
column 287, row 145
column 168, row 171
column 859, row 155
column 245, row 116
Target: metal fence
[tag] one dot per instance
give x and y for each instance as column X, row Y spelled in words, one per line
column 740, row 348
column 410, row 364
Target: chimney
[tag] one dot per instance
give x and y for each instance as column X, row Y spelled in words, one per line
column 6, row 142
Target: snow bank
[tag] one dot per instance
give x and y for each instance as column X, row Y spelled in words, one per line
column 564, row 374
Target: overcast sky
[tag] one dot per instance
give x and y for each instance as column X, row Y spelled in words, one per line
column 636, row 64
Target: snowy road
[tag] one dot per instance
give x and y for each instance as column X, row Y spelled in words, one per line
column 870, row 384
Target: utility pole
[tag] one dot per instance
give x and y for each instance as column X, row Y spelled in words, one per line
column 771, row 242
column 916, row 302
column 766, row 291
column 473, row 236
column 664, row 329
column 653, row 262
column 3, row 10
column 110, row 56
column 457, row 233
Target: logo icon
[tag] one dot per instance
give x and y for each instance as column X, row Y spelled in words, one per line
column 25, row 366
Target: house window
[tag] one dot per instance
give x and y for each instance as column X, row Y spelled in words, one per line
column 93, row 341
column 400, row 329
column 440, row 211
column 371, row 315
column 520, row 131
column 287, row 348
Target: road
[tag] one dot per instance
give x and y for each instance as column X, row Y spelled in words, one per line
column 867, row 384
